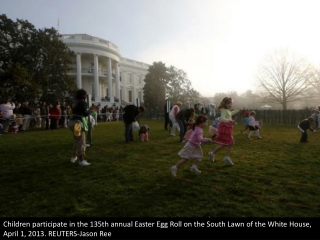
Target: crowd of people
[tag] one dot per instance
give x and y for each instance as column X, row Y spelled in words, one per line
column 38, row 115
column 19, row 117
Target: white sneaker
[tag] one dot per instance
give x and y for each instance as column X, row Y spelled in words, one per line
column 195, row 170
column 174, row 171
column 228, row 161
column 211, row 156
column 73, row 159
column 84, row 163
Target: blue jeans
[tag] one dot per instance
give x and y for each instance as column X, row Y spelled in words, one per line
column 183, row 128
column 304, row 136
column 128, row 132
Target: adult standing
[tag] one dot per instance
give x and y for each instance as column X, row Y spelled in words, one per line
column 62, row 115
column 27, row 114
column 17, row 112
column 172, row 116
column 166, row 114
column 78, row 125
column 69, row 112
column 37, row 115
column 182, row 119
column 94, row 113
column 44, row 116
column 7, row 114
column 55, row 113
column 130, row 115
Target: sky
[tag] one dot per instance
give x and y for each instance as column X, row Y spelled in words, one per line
column 218, row 43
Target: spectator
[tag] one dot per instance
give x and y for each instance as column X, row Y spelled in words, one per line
column 7, row 114
column 26, row 111
column 130, row 115
column 182, row 118
column 172, row 116
column 55, row 113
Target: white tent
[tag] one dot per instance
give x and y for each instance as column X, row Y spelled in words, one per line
column 266, row 107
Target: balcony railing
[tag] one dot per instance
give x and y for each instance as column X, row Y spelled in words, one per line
column 90, row 71
column 84, row 38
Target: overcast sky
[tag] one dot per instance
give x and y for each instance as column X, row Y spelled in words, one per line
column 218, row 43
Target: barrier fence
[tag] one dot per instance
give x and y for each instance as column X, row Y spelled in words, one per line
column 268, row 117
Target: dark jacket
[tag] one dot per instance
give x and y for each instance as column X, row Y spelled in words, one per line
column 25, row 110
column 43, row 110
column 305, row 124
column 79, row 110
column 131, row 113
column 166, row 109
column 184, row 115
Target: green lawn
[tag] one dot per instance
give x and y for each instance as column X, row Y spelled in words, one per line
column 273, row 177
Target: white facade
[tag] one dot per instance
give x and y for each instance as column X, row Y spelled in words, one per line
column 100, row 69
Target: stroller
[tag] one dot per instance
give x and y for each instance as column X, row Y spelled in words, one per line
column 14, row 128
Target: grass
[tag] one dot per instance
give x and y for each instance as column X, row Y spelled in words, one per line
column 273, row 177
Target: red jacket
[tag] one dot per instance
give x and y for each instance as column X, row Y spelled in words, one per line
column 54, row 113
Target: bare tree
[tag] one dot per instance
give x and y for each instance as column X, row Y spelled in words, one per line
column 251, row 100
column 283, row 77
column 314, row 82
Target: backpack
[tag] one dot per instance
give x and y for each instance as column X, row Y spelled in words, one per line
column 77, row 129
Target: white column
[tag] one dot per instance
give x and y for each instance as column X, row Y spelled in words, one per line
column 117, row 82
column 124, row 89
column 110, row 95
column 134, row 94
column 142, row 80
column 96, row 79
column 79, row 73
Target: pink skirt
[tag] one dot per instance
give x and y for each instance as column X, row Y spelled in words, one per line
column 190, row 151
column 225, row 134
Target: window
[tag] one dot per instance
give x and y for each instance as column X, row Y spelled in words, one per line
column 139, row 79
column 130, row 77
column 140, row 96
column 130, row 96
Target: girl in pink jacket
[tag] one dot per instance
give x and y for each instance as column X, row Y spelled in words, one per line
column 192, row 149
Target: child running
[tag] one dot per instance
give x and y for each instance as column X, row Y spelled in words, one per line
column 254, row 125
column 192, row 149
column 225, row 138
column 246, row 122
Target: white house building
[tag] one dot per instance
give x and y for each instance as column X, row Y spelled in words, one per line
column 100, row 69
